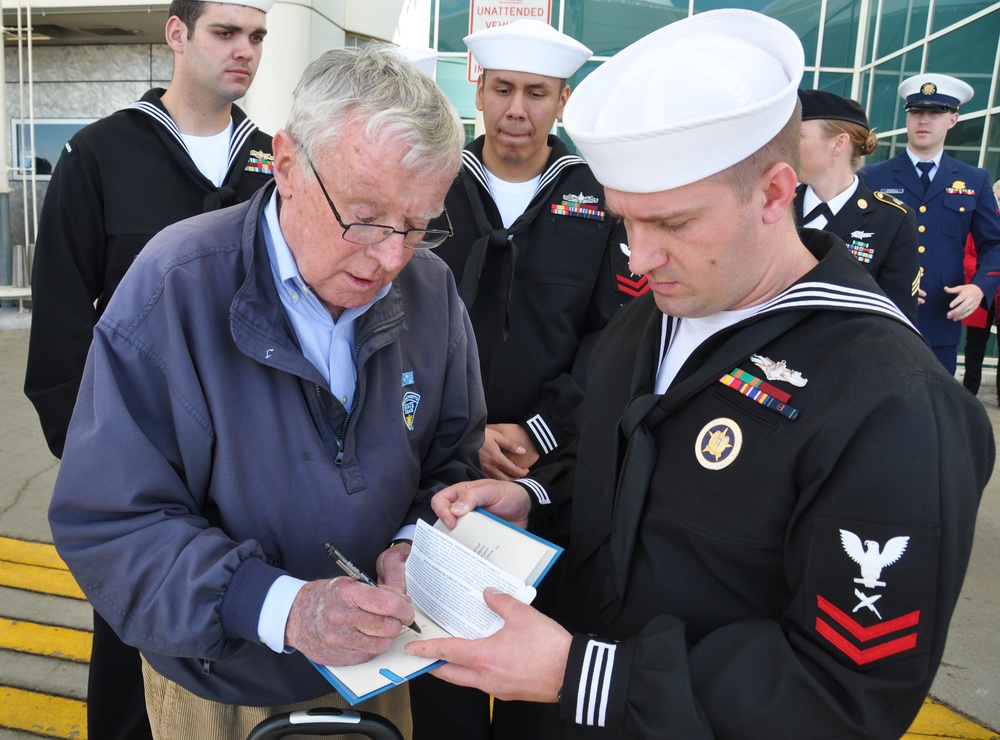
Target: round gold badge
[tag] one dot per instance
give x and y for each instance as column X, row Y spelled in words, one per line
column 718, row 444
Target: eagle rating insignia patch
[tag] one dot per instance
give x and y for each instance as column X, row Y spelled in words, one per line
column 866, row 585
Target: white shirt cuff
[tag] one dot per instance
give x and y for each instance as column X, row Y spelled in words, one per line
column 274, row 612
column 406, row 532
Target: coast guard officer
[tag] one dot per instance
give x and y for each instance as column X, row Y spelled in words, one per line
column 952, row 200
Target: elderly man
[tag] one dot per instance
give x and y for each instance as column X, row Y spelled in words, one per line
column 952, row 200
column 173, row 154
column 768, row 538
column 269, row 377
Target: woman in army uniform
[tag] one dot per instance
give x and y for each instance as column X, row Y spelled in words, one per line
column 878, row 229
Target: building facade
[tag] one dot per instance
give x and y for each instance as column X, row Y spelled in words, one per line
column 95, row 58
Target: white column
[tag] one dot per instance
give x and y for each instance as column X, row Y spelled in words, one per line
column 287, row 52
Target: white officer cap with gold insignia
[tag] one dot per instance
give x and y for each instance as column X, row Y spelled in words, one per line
column 262, row 5
column 934, row 92
column 424, row 58
column 528, row 46
column 687, row 101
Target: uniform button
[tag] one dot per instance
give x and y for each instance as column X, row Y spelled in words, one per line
column 343, row 400
column 921, row 249
column 921, row 228
column 923, row 209
column 962, row 209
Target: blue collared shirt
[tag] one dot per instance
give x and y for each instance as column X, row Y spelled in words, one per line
column 327, row 344
column 936, row 160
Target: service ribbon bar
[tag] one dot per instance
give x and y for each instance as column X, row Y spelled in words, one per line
column 258, row 164
column 763, row 385
column 572, row 209
column 757, row 394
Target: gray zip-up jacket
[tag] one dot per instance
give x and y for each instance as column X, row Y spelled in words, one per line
column 206, row 455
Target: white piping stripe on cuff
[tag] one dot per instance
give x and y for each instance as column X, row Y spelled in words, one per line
column 546, row 439
column 595, row 684
column 536, row 488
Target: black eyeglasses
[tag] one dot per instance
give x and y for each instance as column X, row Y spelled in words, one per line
column 376, row 233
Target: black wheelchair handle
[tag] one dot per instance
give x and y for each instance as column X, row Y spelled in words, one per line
column 328, row 722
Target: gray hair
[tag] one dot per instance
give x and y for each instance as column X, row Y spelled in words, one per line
column 378, row 86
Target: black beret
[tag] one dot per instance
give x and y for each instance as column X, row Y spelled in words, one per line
column 820, row 104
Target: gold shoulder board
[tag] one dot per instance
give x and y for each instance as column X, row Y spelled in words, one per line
column 891, row 200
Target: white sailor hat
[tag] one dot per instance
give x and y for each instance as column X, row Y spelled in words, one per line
column 262, row 5
column 528, row 46
column 934, row 92
column 687, row 101
column 424, row 58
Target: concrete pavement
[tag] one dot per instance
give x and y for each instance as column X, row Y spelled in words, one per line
column 968, row 681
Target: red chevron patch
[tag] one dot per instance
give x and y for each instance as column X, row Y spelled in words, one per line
column 631, row 287
column 860, row 655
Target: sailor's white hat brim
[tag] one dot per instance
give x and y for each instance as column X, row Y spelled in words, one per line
column 528, row 46
column 687, row 101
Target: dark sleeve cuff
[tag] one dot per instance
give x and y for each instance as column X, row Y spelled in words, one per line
column 593, row 692
column 244, row 598
column 543, row 436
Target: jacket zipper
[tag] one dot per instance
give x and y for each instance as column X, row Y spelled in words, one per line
column 342, row 435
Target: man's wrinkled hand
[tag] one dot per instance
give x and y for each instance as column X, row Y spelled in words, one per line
column 344, row 622
column 391, row 566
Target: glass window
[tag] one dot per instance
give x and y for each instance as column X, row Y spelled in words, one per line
column 761, row 6
column 992, row 161
column 887, row 148
column 42, row 153
column 903, row 22
column 968, row 53
column 453, row 77
column 608, row 26
column 886, row 109
column 947, row 13
column 841, row 33
column 964, row 140
column 453, row 25
column 838, row 83
column 870, row 41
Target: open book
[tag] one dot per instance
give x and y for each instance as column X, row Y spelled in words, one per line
column 445, row 576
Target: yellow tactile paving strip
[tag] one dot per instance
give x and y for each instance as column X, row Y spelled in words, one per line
column 34, row 566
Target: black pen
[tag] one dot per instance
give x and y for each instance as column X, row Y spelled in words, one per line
column 355, row 572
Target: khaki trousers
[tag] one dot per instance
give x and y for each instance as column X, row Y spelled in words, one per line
column 177, row 714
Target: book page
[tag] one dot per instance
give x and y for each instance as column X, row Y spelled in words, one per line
column 446, row 580
column 514, row 550
column 450, row 577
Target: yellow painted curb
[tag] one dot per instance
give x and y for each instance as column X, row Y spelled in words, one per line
column 38, row 579
column 50, row 716
column 938, row 721
column 30, row 553
column 63, row 643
